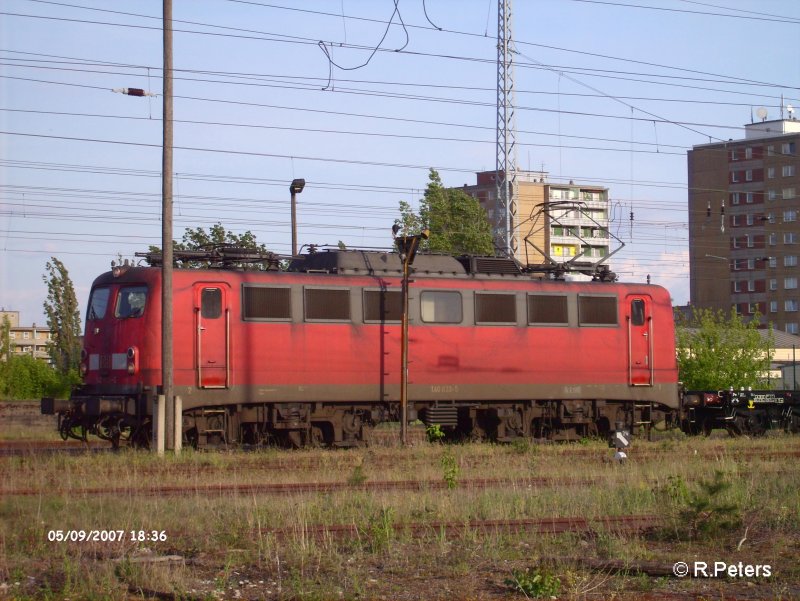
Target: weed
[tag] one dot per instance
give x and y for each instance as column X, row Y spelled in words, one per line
column 358, row 477
column 534, row 583
column 381, row 529
column 707, row 513
column 450, row 469
column 434, row 433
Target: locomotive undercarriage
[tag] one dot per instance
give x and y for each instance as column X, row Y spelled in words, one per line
column 124, row 421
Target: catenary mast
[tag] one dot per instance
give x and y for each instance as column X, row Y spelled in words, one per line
column 506, row 165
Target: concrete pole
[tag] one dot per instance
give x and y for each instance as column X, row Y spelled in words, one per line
column 159, row 416
column 166, row 232
column 178, row 424
column 404, row 355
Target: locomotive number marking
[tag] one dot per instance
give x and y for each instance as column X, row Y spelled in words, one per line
column 444, row 389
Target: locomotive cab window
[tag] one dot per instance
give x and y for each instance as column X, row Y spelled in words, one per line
column 441, row 306
column 637, row 312
column 383, row 306
column 547, row 309
column 131, row 301
column 211, row 303
column 98, row 303
column 597, row 310
column 327, row 304
column 266, row 302
column 495, row 308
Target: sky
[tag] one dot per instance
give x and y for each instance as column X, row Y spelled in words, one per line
column 361, row 98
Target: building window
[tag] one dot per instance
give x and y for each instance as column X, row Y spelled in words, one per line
column 788, row 193
column 751, row 286
column 12, row 335
column 750, row 217
column 790, row 305
column 790, row 238
column 748, row 153
column 750, row 241
column 791, row 328
column 770, row 151
column 770, row 172
column 788, row 148
column 748, row 198
column 26, row 335
column 773, row 239
column 789, row 215
column 773, row 261
column 773, row 306
column 735, row 198
column 751, row 263
column 790, row 261
column 737, row 286
column 733, row 155
column 789, row 283
column 748, row 175
column 773, row 284
column 772, row 195
column 440, row 306
column 734, row 177
column 788, row 170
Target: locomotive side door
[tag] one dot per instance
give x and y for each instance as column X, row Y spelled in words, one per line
column 639, row 319
column 212, row 321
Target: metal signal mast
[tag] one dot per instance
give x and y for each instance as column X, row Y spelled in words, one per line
column 506, row 211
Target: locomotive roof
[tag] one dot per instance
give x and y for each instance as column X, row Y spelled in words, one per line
column 385, row 263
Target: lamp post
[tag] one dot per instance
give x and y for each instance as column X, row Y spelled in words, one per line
column 295, row 188
column 407, row 246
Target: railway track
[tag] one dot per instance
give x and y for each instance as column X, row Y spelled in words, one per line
column 457, row 529
column 295, row 488
column 288, row 462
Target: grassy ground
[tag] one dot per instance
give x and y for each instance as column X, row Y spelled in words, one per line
column 722, row 500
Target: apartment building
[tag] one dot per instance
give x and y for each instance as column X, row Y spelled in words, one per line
column 744, row 233
column 27, row 340
column 554, row 222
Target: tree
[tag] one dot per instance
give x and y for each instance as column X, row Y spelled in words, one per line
column 63, row 318
column 216, row 237
column 6, row 346
column 457, row 222
column 721, row 351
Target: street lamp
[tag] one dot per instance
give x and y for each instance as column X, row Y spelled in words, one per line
column 407, row 246
column 295, row 188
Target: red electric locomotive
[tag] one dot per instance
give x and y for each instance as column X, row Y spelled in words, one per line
column 311, row 353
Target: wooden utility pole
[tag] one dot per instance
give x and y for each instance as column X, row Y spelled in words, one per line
column 166, row 239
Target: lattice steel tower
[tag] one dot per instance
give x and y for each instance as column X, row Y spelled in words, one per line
column 506, row 207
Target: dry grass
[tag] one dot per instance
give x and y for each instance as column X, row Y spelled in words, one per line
column 227, row 545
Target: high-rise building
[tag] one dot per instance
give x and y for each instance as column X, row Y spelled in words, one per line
column 558, row 222
column 744, row 233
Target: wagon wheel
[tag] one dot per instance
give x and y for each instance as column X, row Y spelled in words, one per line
column 792, row 423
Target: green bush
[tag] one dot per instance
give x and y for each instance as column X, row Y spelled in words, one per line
column 23, row 377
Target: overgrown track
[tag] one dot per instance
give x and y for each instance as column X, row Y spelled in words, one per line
column 459, row 529
column 295, row 488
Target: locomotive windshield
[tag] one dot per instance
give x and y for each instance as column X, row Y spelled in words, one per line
column 131, row 301
column 98, row 303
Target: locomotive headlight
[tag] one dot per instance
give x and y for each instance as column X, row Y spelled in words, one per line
column 133, row 360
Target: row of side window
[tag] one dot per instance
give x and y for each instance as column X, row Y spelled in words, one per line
column 274, row 303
